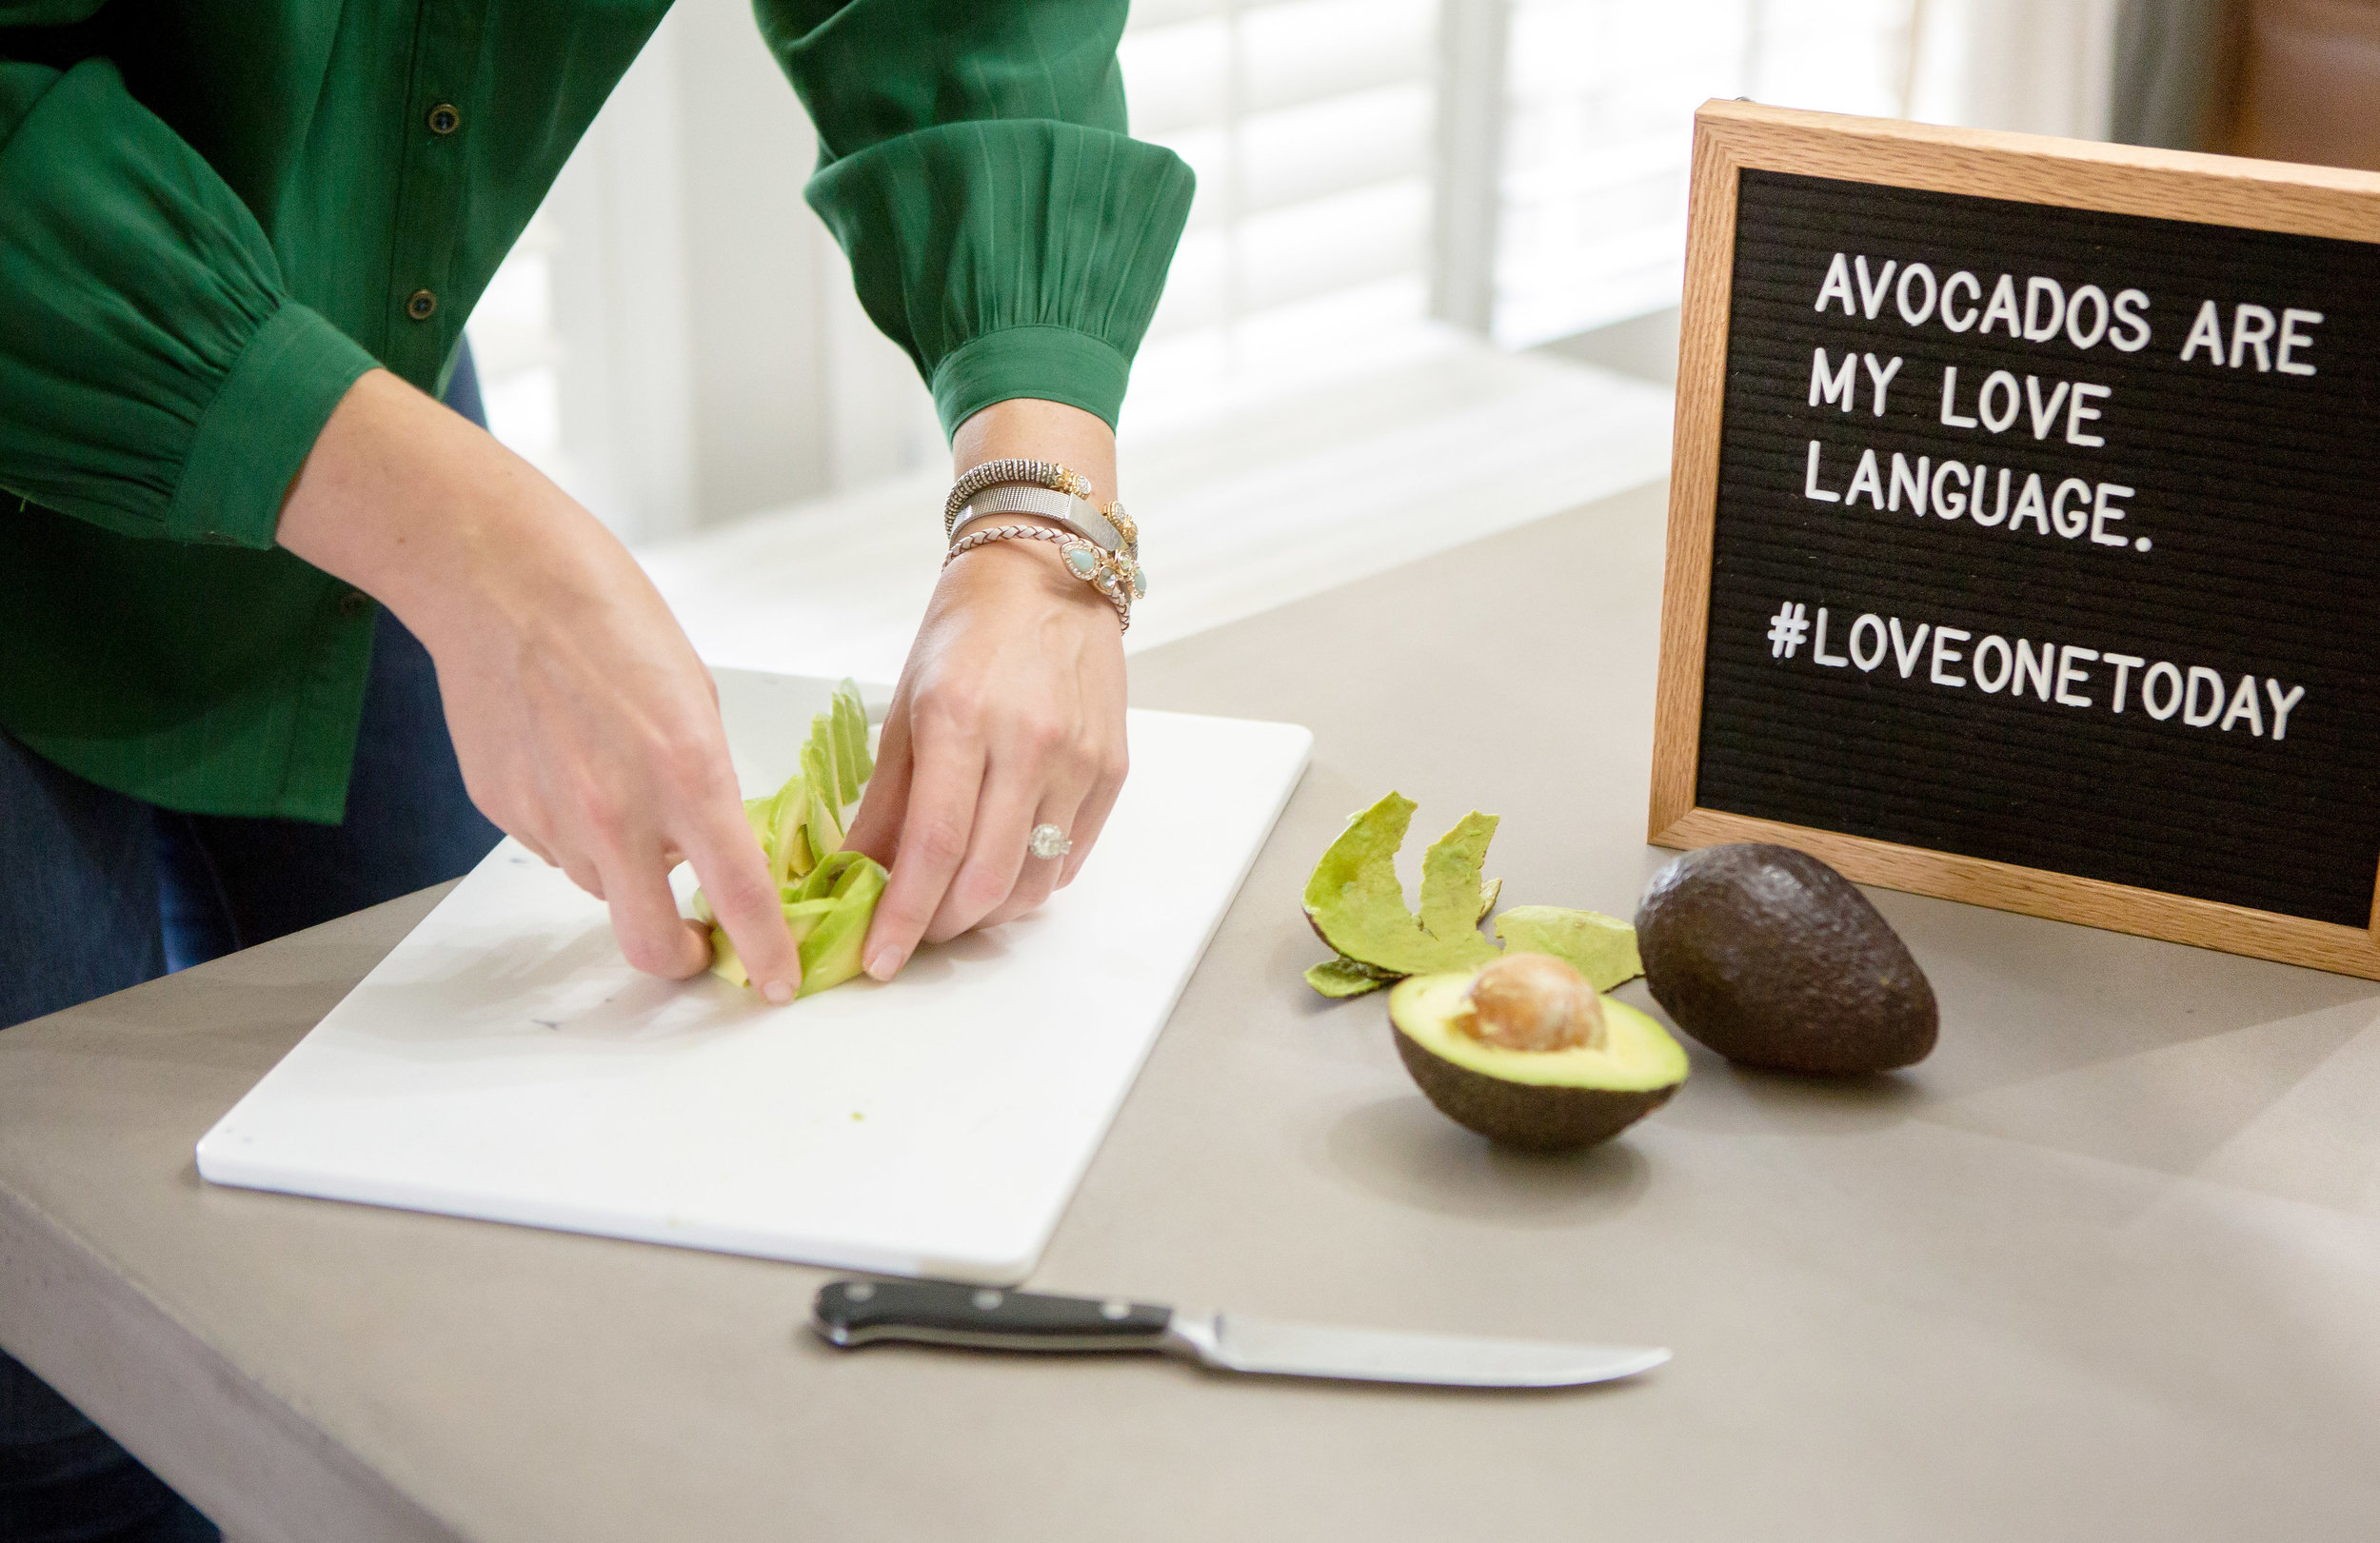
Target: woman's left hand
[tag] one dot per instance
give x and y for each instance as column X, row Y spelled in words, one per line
column 1009, row 715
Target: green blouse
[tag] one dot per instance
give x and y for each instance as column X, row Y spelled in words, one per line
column 214, row 217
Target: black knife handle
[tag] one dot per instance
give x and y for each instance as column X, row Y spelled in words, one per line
column 850, row 1313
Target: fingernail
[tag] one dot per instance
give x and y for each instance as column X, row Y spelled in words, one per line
column 887, row 963
column 780, row 992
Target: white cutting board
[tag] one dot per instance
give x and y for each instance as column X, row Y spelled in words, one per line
column 505, row 1063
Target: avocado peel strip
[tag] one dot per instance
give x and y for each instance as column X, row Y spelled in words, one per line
column 1355, row 903
column 828, row 895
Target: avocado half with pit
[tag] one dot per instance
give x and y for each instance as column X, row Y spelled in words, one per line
column 1587, row 1086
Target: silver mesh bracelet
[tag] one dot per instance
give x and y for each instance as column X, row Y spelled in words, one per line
column 1075, row 514
column 1115, row 587
column 1047, row 474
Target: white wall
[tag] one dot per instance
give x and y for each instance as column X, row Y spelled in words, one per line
column 709, row 358
column 2037, row 67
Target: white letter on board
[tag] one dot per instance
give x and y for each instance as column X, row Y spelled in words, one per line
column 1881, row 376
column 2030, row 506
column 1868, row 659
column 2206, row 333
column 1975, row 507
column 1837, row 284
column 2008, row 663
column 2043, row 414
column 2200, row 675
column 1950, row 287
column 1818, row 654
column 2068, row 674
column 1948, row 504
column 2036, row 670
column 2075, row 333
column 2173, row 677
column 1916, row 485
column 1872, row 299
column 1838, row 388
column 1999, row 381
column 1951, row 417
column 2002, row 308
column 1809, row 487
column 2040, row 328
column 2244, row 706
column 1907, row 651
column 1945, row 655
column 1869, row 476
column 2291, row 339
column 2070, row 523
column 2101, row 512
column 2281, row 705
column 2131, row 328
column 2243, row 338
column 1914, row 315
column 2076, row 412
column 2125, row 665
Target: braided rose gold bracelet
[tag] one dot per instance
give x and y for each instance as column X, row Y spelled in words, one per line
column 1117, row 577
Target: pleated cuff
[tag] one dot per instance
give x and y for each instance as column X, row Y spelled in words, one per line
column 259, row 428
column 1054, row 364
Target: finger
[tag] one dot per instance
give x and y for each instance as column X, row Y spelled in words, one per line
column 644, row 915
column 734, row 873
column 876, row 829
column 995, row 849
column 580, row 870
column 1037, row 877
column 945, row 781
column 1097, row 805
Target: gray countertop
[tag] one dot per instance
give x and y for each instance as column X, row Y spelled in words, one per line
column 2106, row 1267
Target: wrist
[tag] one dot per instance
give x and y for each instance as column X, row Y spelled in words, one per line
column 1029, row 429
column 419, row 508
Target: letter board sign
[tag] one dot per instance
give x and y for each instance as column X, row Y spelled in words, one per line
column 2025, row 527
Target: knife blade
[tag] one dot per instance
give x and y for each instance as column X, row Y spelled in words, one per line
column 852, row 1313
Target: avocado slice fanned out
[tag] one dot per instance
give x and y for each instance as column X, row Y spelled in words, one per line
column 1547, row 1099
column 828, row 895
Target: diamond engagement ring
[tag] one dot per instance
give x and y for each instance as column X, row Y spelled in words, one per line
column 1049, row 842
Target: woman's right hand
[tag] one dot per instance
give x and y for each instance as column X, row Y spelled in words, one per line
column 584, row 723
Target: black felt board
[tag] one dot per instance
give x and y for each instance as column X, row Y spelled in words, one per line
column 2260, row 493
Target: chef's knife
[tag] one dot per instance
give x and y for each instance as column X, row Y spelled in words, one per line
column 851, row 1313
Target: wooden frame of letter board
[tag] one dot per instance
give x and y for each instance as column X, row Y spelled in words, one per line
column 2117, row 179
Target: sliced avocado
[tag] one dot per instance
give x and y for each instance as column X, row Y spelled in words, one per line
column 1773, row 959
column 828, row 896
column 1600, row 947
column 1356, row 905
column 830, row 948
column 1547, row 1099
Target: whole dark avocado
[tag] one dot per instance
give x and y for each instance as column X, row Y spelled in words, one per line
column 1773, row 959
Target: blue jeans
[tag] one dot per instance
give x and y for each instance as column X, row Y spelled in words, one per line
column 103, row 891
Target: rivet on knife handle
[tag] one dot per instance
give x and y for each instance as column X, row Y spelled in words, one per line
column 850, row 1313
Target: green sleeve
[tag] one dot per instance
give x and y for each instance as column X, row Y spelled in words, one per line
column 155, row 378
column 973, row 161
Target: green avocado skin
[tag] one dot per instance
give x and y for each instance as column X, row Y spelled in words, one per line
column 1773, row 959
column 1521, row 1114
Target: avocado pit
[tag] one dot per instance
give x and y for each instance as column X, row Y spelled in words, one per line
column 1532, row 1002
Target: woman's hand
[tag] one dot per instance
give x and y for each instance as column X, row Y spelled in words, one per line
column 1010, row 714
column 584, row 723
